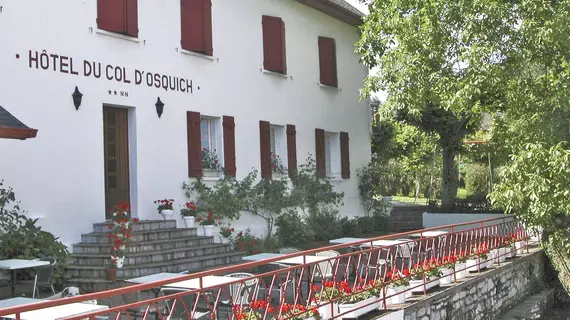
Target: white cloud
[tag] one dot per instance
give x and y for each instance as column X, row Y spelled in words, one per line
column 358, row 5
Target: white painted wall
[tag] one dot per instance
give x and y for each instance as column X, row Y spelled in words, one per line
column 431, row 220
column 58, row 176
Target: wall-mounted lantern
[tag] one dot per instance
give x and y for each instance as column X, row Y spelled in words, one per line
column 77, row 97
column 159, row 107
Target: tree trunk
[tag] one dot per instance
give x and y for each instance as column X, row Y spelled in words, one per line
column 417, row 193
column 449, row 179
column 560, row 259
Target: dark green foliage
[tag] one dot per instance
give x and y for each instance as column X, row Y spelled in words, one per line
column 292, row 231
column 21, row 238
column 476, row 179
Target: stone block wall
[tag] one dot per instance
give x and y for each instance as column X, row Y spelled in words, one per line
column 486, row 296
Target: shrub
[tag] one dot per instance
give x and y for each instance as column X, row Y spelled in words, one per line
column 21, row 238
column 325, row 224
column 476, row 179
column 292, row 231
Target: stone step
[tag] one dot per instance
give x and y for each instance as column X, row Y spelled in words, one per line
column 142, row 225
column 140, row 236
column 82, row 259
column 139, row 270
column 147, row 246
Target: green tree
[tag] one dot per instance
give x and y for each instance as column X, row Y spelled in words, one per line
column 438, row 62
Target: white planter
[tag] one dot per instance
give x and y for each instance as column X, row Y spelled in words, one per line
column 520, row 246
column 119, row 261
column 511, row 252
column 447, row 276
column 398, row 296
column 325, row 311
column 460, row 270
column 417, row 286
column 502, row 255
column 277, row 175
column 208, row 173
column 474, row 265
column 167, row 214
column 188, row 221
column 224, row 240
column 357, row 309
column 209, row 231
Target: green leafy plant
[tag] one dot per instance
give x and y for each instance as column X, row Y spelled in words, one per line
column 208, row 219
column 277, row 164
column 476, row 178
column 189, row 209
column 210, row 160
column 248, row 243
column 226, row 231
column 292, row 231
column 21, row 238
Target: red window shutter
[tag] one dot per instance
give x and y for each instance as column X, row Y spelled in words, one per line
column 194, row 146
column 132, row 18
column 207, row 29
column 291, row 149
column 192, row 25
column 229, row 126
column 344, row 156
column 327, row 61
column 274, row 56
column 320, row 152
column 265, row 149
column 111, row 15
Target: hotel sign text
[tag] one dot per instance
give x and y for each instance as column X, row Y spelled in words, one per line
column 98, row 70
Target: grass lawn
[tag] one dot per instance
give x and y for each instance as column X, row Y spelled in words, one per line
column 461, row 194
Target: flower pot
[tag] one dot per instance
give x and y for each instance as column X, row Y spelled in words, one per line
column 520, row 246
column 475, row 265
column 188, row 221
column 511, row 252
column 119, row 261
column 167, row 214
column 277, row 175
column 460, row 270
column 209, row 230
column 501, row 256
column 110, row 274
column 326, row 312
column 357, row 309
column 447, row 276
column 209, row 173
column 397, row 294
column 224, row 240
column 417, row 286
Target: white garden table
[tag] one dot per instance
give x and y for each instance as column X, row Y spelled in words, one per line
column 16, row 264
column 59, row 312
column 12, row 302
column 429, row 234
column 207, row 281
column 153, row 278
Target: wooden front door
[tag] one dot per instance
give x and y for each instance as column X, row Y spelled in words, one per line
column 116, row 143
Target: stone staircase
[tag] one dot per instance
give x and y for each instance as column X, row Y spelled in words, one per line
column 156, row 246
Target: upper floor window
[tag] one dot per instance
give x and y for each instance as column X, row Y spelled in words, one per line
column 119, row 16
column 327, row 61
column 196, row 26
column 274, row 55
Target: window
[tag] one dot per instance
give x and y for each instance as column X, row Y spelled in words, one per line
column 273, row 149
column 196, row 26
column 119, row 16
column 272, row 140
column 328, row 154
column 274, row 56
column 331, row 154
column 207, row 134
column 327, row 61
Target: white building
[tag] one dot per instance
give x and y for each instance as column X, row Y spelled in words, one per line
column 224, row 72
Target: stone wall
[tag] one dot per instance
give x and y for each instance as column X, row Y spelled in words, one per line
column 486, row 296
column 405, row 218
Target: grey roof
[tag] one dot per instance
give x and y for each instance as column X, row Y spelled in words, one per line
column 7, row 120
column 339, row 9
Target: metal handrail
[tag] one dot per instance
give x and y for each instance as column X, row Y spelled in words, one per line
column 462, row 237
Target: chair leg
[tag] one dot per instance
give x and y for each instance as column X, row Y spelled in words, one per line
column 52, row 289
column 35, row 286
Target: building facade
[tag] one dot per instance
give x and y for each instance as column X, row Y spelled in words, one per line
column 126, row 94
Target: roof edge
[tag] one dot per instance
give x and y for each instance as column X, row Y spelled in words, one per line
column 338, row 9
column 18, row 133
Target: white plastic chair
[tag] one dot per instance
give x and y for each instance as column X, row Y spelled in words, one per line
column 327, row 267
column 179, row 312
column 240, row 292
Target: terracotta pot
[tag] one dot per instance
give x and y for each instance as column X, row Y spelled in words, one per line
column 110, row 274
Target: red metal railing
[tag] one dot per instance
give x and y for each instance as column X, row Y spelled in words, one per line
column 277, row 290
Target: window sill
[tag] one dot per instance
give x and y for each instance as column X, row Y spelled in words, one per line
column 117, row 35
column 211, row 178
column 326, row 86
column 280, row 177
column 273, row 73
column 196, row 54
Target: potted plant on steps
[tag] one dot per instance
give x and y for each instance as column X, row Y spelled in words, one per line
column 226, row 233
column 188, row 213
column 120, row 233
column 165, row 207
column 208, row 222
